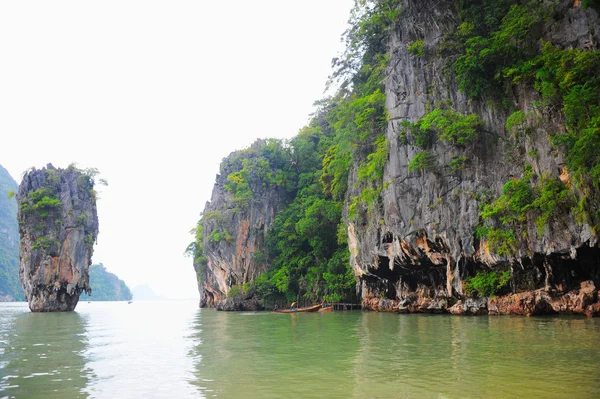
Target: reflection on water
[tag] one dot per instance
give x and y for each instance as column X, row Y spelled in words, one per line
column 270, row 355
column 35, row 366
column 380, row 355
column 140, row 350
column 174, row 350
column 103, row 350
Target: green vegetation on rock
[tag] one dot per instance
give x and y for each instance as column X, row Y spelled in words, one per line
column 487, row 283
column 332, row 173
column 306, row 251
column 499, row 45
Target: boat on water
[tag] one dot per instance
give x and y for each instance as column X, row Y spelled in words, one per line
column 326, row 309
column 306, row 309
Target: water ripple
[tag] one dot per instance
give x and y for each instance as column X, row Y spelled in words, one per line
column 174, row 350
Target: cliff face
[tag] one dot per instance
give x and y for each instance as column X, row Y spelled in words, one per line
column 58, row 225
column 416, row 249
column 234, row 228
column 464, row 143
column 10, row 288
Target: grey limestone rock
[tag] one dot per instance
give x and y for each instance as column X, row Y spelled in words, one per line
column 58, row 225
column 232, row 260
column 423, row 233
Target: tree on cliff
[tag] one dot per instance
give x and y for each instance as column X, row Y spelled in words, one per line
column 306, row 253
column 478, row 92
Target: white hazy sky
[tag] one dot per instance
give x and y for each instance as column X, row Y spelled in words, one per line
column 154, row 94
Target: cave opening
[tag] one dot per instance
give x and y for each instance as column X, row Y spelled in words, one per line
column 387, row 278
column 571, row 272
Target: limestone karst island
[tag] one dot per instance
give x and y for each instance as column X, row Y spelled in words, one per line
column 456, row 170
column 58, row 225
column 432, row 231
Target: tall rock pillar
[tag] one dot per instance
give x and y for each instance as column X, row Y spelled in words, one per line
column 58, row 225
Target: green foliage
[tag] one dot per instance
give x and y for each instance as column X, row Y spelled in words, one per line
column 234, row 291
column 370, row 173
column 260, row 167
column 501, row 241
column 89, row 240
column 81, row 219
column 41, row 203
column 487, row 284
column 551, row 196
column 417, row 48
column 512, row 206
column 48, row 244
column 9, row 239
column 493, row 39
column 366, row 40
column 481, row 231
column 520, row 201
column 196, row 250
column 336, row 165
column 517, row 123
column 457, row 164
column 218, row 234
column 569, row 80
column 372, row 169
column 306, row 253
column 498, row 45
column 413, row 133
column 106, row 286
column 451, row 127
column 359, row 116
column 422, row 161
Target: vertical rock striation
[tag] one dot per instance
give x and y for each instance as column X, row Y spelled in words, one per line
column 58, row 225
column 233, row 234
column 477, row 191
column 416, row 250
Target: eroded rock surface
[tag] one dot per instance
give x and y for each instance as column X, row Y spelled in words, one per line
column 58, row 225
column 234, row 233
column 420, row 245
column 414, row 247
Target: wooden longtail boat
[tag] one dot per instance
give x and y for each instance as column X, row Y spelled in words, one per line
column 306, row 309
column 326, row 309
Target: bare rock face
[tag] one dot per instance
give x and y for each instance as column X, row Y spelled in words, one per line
column 58, row 225
column 420, row 245
column 234, row 234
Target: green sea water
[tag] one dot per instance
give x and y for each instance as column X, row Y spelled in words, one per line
column 174, row 350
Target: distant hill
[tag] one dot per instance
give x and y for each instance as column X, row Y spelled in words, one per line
column 106, row 286
column 10, row 286
column 145, row 293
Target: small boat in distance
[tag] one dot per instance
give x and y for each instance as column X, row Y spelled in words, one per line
column 326, row 309
column 306, row 309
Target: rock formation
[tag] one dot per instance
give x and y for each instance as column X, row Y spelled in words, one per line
column 233, row 231
column 58, row 225
column 419, row 247
column 487, row 201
